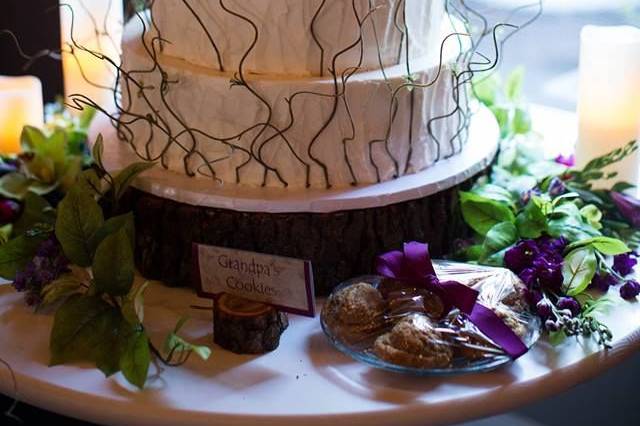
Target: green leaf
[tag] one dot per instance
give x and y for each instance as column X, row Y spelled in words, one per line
column 16, row 253
column 496, row 193
column 473, row 253
column 98, row 152
column 86, row 117
column 79, row 218
column 113, row 264
column 605, row 245
column 592, row 215
column 15, row 185
column 126, row 177
column 89, row 182
column 63, row 287
column 557, row 337
column 502, row 115
column 578, row 270
column 514, row 84
column 133, row 306
column 532, row 221
column 35, row 210
column 521, row 123
column 113, row 225
column 135, row 358
column 482, row 214
column 32, row 138
column 175, row 344
column 486, row 89
column 622, row 187
column 86, row 329
column 499, row 237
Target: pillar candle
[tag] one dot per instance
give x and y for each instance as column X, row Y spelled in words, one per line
column 609, row 96
column 96, row 25
column 20, row 105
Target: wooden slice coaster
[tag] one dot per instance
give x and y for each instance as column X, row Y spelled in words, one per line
column 246, row 327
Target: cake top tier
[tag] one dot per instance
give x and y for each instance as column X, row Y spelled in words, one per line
column 299, row 37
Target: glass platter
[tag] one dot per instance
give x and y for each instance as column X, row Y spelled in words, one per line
column 362, row 350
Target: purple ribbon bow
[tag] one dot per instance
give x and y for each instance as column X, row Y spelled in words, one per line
column 414, row 267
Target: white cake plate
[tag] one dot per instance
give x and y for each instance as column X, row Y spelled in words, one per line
column 476, row 156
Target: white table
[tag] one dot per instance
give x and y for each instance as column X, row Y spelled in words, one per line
column 305, row 381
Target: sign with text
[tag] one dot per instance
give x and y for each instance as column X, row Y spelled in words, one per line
column 283, row 282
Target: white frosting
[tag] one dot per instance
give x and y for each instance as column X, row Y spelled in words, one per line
column 203, row 99
column 285, row 43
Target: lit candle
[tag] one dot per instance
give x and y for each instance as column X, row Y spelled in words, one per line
column 609, row 96
column 95, row 25
column 20, row 105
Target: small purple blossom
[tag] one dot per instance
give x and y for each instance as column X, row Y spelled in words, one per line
column 630, row 290
column 603, row 281
column 557, row 187
column 569, row 303
column 544, row 308
column 526, row 196
column 568, row 160
column 628, row 206
column 624, row 263
column 47, row 265
column 549, row 273
column 521, row 255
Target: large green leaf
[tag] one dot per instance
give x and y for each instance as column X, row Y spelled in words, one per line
column 87, row 329
column 15, row 185
column 35, row 210
column 532, row 221
column 63, row 287
column 135, row 357
column 126, row 177
column 500, row 237
column 482, row 213
column 605, row 245
column 79, row 217
column 113, row 225
column 578, row 270
column 16, row 253
column 113, row 266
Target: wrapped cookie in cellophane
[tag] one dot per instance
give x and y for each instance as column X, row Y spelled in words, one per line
column 430, row 325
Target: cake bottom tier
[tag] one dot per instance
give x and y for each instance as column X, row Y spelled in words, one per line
column 340, row 245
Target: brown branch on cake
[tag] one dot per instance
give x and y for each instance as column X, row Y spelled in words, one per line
column 241, row 81
column 314, row 35
column 207, row 33
column 336, row 86
column 396, row 16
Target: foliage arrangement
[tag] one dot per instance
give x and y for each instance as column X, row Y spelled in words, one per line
column 543, row 219
column 70, row 258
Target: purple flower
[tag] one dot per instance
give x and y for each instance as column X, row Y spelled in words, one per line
column 521, row 255
column 624, row 263
column 629, row 207
column 557, row 187
column 569, row 160
column 552, row 248
column 602, row 282
column 526, row 196
column 533, row 297
column 569, row 303
column 630, row 290
column 47, row 265
column 549, row 273
column 529, row 277
column 544, row 308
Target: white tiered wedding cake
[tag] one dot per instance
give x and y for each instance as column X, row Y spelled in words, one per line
column 293, row 93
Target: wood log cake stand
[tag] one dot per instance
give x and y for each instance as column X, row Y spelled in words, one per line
column 340, row 231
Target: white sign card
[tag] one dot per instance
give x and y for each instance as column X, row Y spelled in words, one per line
column 283, row 282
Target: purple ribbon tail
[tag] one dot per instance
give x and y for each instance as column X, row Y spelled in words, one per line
column 494, row 328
